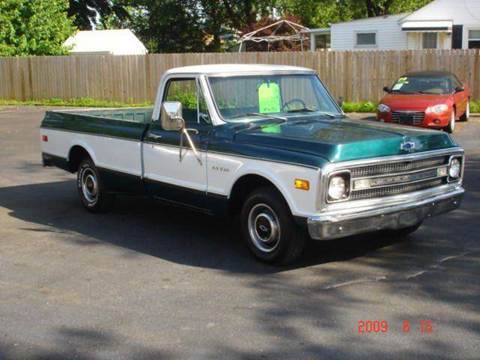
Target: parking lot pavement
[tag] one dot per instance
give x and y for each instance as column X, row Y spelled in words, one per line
column 145, row 281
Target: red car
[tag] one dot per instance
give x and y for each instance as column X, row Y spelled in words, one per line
column 432, row 99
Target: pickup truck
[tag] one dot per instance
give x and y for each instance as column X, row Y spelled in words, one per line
column 265, row 143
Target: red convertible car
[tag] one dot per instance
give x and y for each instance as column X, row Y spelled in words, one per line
column 432, row 99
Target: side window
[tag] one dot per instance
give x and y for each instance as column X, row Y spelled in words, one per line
column 203, row 114
column 184, row 91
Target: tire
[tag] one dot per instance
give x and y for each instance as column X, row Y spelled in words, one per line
column 268, row 227
column 466, row 114
column 90, row 188
column 451, row 124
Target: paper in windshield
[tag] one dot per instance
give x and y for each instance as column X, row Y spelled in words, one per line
column 269, row 98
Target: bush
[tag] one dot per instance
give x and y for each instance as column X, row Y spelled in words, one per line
column 475, row 106
column 365, row 106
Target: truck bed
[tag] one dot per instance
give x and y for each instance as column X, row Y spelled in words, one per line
column 128, row 123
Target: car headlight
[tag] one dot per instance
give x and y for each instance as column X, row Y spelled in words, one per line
column 454, row 168
column 437, row 109
column 339, row 187
column 383, row 108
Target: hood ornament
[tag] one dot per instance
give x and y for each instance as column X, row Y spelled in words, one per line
column 407, row 146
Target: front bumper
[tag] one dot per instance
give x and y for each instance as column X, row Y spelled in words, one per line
column 331, row 225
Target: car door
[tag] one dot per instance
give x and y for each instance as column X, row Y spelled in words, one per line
column 174, row 172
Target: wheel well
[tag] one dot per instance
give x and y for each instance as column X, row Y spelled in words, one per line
column 244, row 186
column 76, row 155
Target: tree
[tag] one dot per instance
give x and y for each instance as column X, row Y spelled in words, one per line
column 34, row 27
column 92, row 13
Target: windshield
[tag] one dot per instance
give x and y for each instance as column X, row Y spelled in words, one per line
column 240, row 97
column 424, row 85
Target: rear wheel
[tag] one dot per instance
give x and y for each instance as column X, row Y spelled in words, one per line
column 269, row 229
column 93, row 194
column 466, row 114
column 451, row 125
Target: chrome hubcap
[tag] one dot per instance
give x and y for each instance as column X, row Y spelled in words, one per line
column 264, row 227
column 89, row 185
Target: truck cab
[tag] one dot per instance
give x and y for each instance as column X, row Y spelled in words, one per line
column 266, row 143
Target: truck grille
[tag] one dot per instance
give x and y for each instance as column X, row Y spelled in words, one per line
column 397, row 177
column 408, row 117
column 396, row 167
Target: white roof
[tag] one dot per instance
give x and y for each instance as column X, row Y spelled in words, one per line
column 114, row 42
column 459, row 11
column 236, row 68
column 396, row 17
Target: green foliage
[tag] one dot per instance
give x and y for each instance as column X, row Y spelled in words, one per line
column 475, row 106
column 77, row 102
column 36, row 27
column 365, row 106
column 103, row 14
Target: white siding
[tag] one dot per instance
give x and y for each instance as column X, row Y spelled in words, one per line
column 389, row 33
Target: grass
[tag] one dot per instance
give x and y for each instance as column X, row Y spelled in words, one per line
column 348, row 107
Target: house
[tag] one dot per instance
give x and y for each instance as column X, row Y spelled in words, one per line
column 105, row 42
column 441, row 24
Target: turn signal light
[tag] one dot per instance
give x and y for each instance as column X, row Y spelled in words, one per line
column 302, row 184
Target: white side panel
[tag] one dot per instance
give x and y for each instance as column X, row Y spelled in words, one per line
column 162, row 164
column 224, row 170
column 107, row 152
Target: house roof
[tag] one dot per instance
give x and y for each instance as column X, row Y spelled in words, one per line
column 115, row 42
column 397, row 17
column 460, row 12
column 236, row 68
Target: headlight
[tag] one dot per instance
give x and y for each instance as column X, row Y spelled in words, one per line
column 455, row 168
column 339, row 187
column 383, row 108
column 437, row 109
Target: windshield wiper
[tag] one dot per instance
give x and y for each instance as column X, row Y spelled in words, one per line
column 254, row 126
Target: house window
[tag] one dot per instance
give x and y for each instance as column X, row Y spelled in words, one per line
column 367, row 39
column 430, row 40
column 474, row 39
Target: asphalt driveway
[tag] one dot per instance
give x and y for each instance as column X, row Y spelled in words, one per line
column 150, row 282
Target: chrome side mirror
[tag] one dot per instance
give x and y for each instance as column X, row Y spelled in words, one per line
column 459, row 89
column 171, row 116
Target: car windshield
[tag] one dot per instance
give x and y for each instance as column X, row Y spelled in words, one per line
column 424, row 85
column 247, row 98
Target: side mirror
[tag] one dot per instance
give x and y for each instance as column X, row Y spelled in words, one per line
column 171, row 116
column 387, row 89
column 340, row 102
column 459, row 89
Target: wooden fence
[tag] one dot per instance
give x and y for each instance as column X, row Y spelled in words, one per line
column 353, row 75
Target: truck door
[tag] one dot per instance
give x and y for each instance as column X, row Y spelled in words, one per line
column 172, row 172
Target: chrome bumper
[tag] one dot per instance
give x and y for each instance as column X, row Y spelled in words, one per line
column 331, row 225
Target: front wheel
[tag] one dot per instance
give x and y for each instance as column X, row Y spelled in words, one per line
column 93, row 194
column 466, row 114
column 451, row 125
column 269, row 229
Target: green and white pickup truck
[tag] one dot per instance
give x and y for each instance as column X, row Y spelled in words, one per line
column 267, row 143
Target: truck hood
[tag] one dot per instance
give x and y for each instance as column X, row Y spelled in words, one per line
column 344, row 139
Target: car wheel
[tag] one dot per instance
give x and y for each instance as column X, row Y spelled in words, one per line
column 451, row 124
column 93, row 194
column 466, row 114
column 268, row 227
